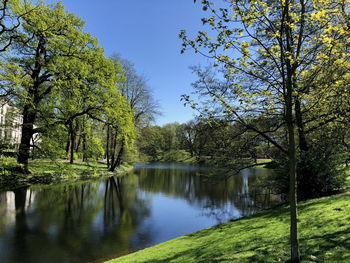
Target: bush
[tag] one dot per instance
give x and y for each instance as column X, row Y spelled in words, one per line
column 320, row 172
column 8, row 163
column 10, row 172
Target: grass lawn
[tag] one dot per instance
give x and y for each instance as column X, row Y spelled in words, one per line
column 324, row 237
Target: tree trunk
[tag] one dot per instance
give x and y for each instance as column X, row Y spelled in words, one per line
column 72, row 143
column 68, row 143
column 113, row 146
column 294, row 242
column 78, row 143
column 295, row 255
column 107, row 147
column 33, row 147
column 29, row 116
column 299, row 121
column 290, row 88
column 77, row 137
column 118, row 161
column 120, row 155
column 84, row 146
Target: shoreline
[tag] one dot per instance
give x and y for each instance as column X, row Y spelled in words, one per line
column 47, row 172
column 262, row 237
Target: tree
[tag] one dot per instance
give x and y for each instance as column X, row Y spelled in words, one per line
column 86, row 88
column 187, row 134
column 137, row 92
column 48, row 39
column 151, row 143
column 119, row 119
column 270, row 55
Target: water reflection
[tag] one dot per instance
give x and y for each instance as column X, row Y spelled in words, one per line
column 224, row 199
column 95, row 221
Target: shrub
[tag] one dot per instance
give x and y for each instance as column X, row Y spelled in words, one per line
column 320, row 172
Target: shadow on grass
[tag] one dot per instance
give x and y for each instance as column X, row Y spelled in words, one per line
column 256, row 253
column 337, row 243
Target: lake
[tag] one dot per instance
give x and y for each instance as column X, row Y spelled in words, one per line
column 96, row 221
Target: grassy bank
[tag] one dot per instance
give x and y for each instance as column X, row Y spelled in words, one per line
column 51, row 172
column 324, row 237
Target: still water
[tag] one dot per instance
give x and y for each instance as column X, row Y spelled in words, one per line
column 93, row 222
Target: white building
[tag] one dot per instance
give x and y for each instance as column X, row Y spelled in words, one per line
column 10, row 125
column 11, row 128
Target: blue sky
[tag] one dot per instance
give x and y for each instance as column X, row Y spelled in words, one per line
column 146, row 32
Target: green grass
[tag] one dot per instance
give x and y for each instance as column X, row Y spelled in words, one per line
column 324, row 237
column 347, row 183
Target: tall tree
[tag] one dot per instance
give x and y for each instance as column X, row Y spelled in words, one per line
column 265, row 50
column 86, row 88
column 49, row 37
column 137, row 92
column 120, row 128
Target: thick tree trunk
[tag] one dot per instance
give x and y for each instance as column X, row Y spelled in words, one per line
column 31, row 107
column 29, row 116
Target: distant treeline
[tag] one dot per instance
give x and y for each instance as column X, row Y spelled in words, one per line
column 226, row 144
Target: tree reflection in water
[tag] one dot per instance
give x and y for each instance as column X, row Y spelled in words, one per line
column 72, row 223
column 221, row 197
column 91, row 222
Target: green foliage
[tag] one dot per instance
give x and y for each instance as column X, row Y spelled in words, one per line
column 95, row 149
column 7, row 163
column 215, row 142
column 176, row 156
column 10, row 174
column 59, row 77
column 321, row 168
column 151, row 143
column 51, row 144
column 320, row 172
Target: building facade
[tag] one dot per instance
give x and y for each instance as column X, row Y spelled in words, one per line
column 10, row 125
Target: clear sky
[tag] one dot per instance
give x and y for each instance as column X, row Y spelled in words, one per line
column 146, row 32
